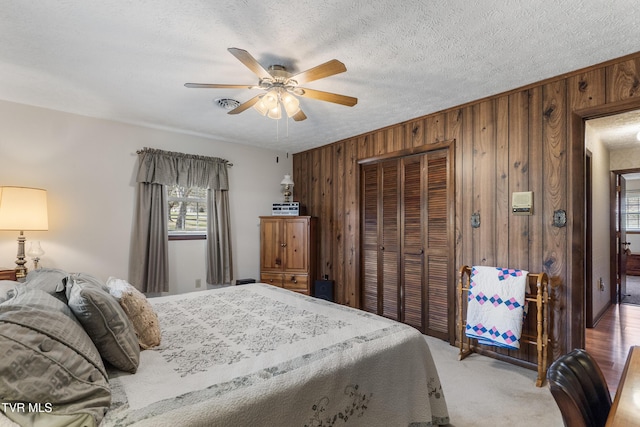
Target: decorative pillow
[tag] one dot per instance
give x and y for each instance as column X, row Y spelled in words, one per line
column 6, row 288
column 137, row 307
column 48, row 359
column 49, row 280
column 104, row 321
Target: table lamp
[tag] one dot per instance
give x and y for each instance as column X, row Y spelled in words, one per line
column 287, row 185
column 23, row 209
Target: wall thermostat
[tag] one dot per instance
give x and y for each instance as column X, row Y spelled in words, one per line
column 522, row 203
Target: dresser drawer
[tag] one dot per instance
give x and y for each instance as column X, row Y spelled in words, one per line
column 297, row 282
column 274, row 279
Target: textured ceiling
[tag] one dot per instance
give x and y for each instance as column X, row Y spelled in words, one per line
column 128, row 60
column 618, row 132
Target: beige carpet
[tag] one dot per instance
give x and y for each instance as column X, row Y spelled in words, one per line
column 481, row 391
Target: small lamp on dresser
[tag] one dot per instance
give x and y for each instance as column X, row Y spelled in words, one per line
column 23, row 209
column 287, row 186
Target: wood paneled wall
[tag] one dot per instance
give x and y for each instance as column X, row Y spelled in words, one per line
column 529, row 139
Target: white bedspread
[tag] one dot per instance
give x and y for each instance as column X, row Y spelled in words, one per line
column 257, row 355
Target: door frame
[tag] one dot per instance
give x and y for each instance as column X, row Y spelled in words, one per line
column 590, row 321
column 576, row 301
column 618, row 270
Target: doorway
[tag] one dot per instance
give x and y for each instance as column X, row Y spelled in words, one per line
column 610, row 158
column 628, row 219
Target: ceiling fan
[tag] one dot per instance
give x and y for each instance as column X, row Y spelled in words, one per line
column 282, row 87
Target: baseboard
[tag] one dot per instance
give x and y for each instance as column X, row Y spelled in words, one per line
column 601, row 313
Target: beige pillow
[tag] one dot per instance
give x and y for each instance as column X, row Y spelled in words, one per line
column 104, row 320
column 135, row 304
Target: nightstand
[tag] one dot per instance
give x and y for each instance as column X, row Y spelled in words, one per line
column 7, row 274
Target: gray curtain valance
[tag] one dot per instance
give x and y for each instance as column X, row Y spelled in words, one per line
column 187, row 170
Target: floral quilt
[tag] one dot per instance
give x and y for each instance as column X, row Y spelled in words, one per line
column 259, row 355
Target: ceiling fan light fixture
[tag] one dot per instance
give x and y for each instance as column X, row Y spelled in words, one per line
column 270, row 99
column 281, row 87
column 275, row 112
column 260, row 107
column 291, row 104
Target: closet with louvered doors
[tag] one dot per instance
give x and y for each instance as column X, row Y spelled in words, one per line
column 407, row 247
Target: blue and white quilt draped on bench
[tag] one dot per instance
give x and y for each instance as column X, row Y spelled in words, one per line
column 496, row 306
column 259, row 355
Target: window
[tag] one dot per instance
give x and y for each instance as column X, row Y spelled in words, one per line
column 187, row 212
column 633, row 210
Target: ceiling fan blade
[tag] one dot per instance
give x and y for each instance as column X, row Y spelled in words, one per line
column 327, row 69
column 250, row 62
column 218, row 86
column 299, row 116
column 329, row 97
column 246, row 105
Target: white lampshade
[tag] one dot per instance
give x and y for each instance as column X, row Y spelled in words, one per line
column 270, row 99
column 260, row 107
column 275, row 112
column 287, row 180
column 291, row 104
column 23, row 209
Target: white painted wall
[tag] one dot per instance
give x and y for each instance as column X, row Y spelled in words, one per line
column 600, row 181
column 87, row 166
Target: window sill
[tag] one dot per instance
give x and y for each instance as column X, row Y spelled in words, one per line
column 187, row 237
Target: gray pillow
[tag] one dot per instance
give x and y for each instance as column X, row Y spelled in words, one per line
column 48, row 280
column 104, row 320
column 7, row 288
column 48, row 358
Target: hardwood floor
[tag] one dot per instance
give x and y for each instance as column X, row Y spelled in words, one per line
column 610, row 340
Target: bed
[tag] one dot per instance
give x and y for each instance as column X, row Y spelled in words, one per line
column 256, row 354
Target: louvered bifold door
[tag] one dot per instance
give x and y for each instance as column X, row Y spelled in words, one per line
column 381, row 239
column 369, row 203
column 412, row 268
column 407, row 248
column 439, row 245
column 389, row 238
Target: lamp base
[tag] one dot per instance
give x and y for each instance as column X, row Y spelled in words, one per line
column 21, row 270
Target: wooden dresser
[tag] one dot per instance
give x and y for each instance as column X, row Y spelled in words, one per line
column 633, row 264
column 7, row 274
column 287, row 252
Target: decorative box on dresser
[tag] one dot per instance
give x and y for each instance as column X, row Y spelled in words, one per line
column 287, row 252
column 8, row 274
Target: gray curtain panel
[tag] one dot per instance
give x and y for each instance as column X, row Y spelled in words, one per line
column 148, row 262
column 148, row 266
column 219, row 265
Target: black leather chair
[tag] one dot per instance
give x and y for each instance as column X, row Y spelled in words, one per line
column 580, row 390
